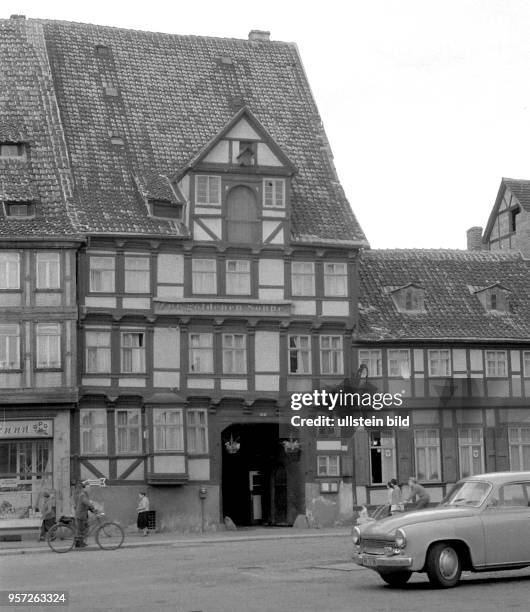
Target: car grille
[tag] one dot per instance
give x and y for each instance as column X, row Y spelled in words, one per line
column 376, row 546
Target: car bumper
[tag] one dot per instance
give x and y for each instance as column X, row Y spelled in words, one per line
column 382, row 562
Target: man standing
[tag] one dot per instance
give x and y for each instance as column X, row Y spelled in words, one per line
column 416, row 490
column 82, row 506
column 47, row 509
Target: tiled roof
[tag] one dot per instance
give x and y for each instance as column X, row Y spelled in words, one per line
column 520, row 189
column 28, row 113
column 451, row 310
column 171, row 95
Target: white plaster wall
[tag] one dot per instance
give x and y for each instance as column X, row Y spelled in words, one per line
column 271, row 272
column 166, row 347
column 170, row 268
column 267, row 351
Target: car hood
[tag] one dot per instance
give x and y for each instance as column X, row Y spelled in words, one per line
column 389, row 525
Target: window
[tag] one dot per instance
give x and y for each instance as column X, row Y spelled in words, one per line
column 439, row 363
column 427, row 448
column 331, row 355
column 166, row 210
column 128, row 431
column 9, row 270
column 247, row 153
column 302, row 278
column 197, row 431
column 409, row 299
column 274, row 193
column 519, row 441
column 243, row 224
column 207, row 189
column 29, row 461
column 493, row 301
column 169, row 429
column 137, row 275
column 93, row 431
column 48, row 345
column 470, row 451
column 496, row 363
column 9, row 347
column 48, row 271
column 102, row 274
column 204, row 276
column 238, row 277
column 373, row 360
column 19, row 210
column 513, row 219
column 335, row 279
column 234, row 354
column 132, row 352
column 399, row 363
column 382, row 456
column 12, row 149
column 514, row 494
column 328, row 465
column 97, row 352
column 299, row 355
column 201, row 353
column 526, row 359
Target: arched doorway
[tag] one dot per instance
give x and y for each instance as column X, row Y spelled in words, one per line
column 242, row 222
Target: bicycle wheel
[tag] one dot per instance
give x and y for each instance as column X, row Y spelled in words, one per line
column 109, row 536
column 61, row 538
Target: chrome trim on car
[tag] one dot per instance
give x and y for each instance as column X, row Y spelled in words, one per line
column 380, row 561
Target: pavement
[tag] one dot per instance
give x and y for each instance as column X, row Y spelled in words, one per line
column 243, row 534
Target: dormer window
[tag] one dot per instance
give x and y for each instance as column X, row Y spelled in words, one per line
column 208, row 190
column 12, row 150
column 165, row 210
column 409, row 299
column 19, row 210
column 274, row 193
column 513, row 219
column 494, row 298
column 493, row 301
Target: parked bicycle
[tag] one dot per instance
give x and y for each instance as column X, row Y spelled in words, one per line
column 108, row 534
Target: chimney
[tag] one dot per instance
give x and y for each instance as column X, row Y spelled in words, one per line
column 474, row 239
column 259, row 36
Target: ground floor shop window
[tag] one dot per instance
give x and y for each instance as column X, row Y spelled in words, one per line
column 470, row 451
column 382, row 456
column 427, row 451
column 519, row 441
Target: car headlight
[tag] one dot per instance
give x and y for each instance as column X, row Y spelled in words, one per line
column 356, row 535
column 400, row 538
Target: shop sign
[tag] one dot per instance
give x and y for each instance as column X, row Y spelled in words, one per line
column 26, row 429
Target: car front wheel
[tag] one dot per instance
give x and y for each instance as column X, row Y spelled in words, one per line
column 395, row 579
column 443, row 566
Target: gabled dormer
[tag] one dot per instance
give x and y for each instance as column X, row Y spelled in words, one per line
column 409, row 298
column 494, row 298
column 239, row 186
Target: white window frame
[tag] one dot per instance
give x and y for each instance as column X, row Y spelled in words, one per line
column 439, row 362
column 137, row 274
column 201, row 353
column 333, row 355
column 401, row 367
column 302, row 278
column 238, row 279
column 48, row 345
column 234, row 354
column 470, row 441
column 48, row 266
column 210, row 193
column 102, row 278
column 328, row 466
column 9, row 270
column 373, row 360
column 387, row 444
column 132, row 351
column 433, row 463
column 93, row 431
column 299, row 351
column 132, row 431
column 273, row 193
column 518, row 442
column 10, row 345
column 204, row 276
column 498, row 360
column 168, row 432
column 197, row 431
column 335, row 279
column 97, row 351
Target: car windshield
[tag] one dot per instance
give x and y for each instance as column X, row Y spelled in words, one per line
column 469, row 493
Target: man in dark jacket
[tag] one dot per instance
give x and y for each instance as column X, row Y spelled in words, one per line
column 82, row 506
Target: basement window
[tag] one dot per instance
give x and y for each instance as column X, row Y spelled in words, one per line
column 19, row 210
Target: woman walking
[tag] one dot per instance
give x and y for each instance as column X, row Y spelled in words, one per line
column 143, row 509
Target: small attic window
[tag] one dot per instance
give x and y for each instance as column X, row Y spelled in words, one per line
column 409, row 299
column 513, row 219
column 102, row 51
column 12, row 149
column 494, row 299
column 19, row 210
column 111, row 91
column 225, row 60
column 165, row 210
column 247, row 153
column 117, row 140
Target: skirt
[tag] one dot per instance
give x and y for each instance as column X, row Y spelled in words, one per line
column 142, row 520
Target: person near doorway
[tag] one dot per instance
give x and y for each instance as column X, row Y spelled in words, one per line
column 82, row 506
column 47, row 510
column 143, row 510
column 419, row 492
column 394, row 496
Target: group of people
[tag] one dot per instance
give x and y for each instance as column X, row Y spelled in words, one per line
column 395, row 495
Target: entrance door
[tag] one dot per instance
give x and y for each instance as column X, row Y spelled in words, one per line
column 255, row 483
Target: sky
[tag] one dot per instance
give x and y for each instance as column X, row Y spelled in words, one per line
column 426, row 103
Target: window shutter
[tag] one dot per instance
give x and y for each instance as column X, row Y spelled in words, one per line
column 501, row 444
column 449, row 451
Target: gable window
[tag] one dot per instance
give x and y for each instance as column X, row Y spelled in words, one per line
column 373, row 360
column 242, row 221
column 496, row 363
column 97, row 352
column 299, row 355
column 197, row 430
column 247, row 153
column 238, row 277
column 335, row 279
column 513, row 219
column 204, row 276
column 128, row 431
column 234, row 354
column 493, row 301
column 137, row 274
column 302, row 278
column 399, row 363
column 427, row 449
column 382, row 456
column 93, row 424
column 201, row 353
column 19, row 210
column 328, row 465
column 208, row 190
column 9, row 270
column 48, row 345
column 12, row 149
column 101, row 274
column 519, row 441
column 331, row 355
column 169, row 429
column 9, row 347
column 274, row 193
column 48, row 270
column 439, row 363
column 132, row 352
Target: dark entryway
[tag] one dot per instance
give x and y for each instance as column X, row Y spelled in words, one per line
column 254, row 485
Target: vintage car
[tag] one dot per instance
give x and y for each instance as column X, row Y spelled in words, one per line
column 483, row 524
